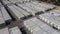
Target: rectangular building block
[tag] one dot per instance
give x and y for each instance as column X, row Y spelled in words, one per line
column 51, row 19
column 29, row 10
column 46, row 5
column 5, row 2
column 14, row 30
column 55, row 12
column 35, row 25
column 33, row 28
column 5, row 14
column 36, row 7
column 14, row 1
column 14, row 12
column 26, row 14
column 37, row 12
column 4, row 31
column 2, row 21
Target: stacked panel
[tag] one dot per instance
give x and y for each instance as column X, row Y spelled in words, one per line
column 35, row 26
column 52, row 18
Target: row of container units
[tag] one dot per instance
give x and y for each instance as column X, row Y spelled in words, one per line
column 36, row 8
column 16, row 12
column 43, row 4
column 25, row 10
column 14, row 30
column 31, row 26
column 48, row 17
column 36, row 26
column 52, row 18
column 52, row 1
column 5, row 18
column 15, row 1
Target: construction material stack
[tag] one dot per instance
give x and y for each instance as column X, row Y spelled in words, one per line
column 5, row 14
column 34, row 17
column 36, row 26
column 14, row 30
column 4, row 31
column 52, row 18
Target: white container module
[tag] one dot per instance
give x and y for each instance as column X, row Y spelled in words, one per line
column 26, row 0
column 4, row 31
column 14, row 1
column 14, row 12
column 26, row 14
column 51, row 6
column 5, row 15
column 0, row 4
column 5, row 2
column 46, row 5
column 2, row 21
column 32, row 10
column 15, row 30
column 37, row 12
column 29, row 10
column 36, row 7
column 55, row 12
column 35, row 26
column 44, row 8
column 51, row 18
column 21, row 1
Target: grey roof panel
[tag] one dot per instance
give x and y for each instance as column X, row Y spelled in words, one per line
column 14, row 30
column 4, row 31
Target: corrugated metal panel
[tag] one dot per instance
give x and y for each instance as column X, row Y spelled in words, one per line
column 51, row 19
column 35, row 23
column 43, row 25
column 14, row 1
column 5, row 14
column 46, row 5
column 35, row 10
column 38, row 8
column 26, row 14
column 15, row 13
column 4, row 31
column 26, row 9
column 5, row 2
column 33, row 28
column 55, row 12
column 15, row 30
column 2, row 22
